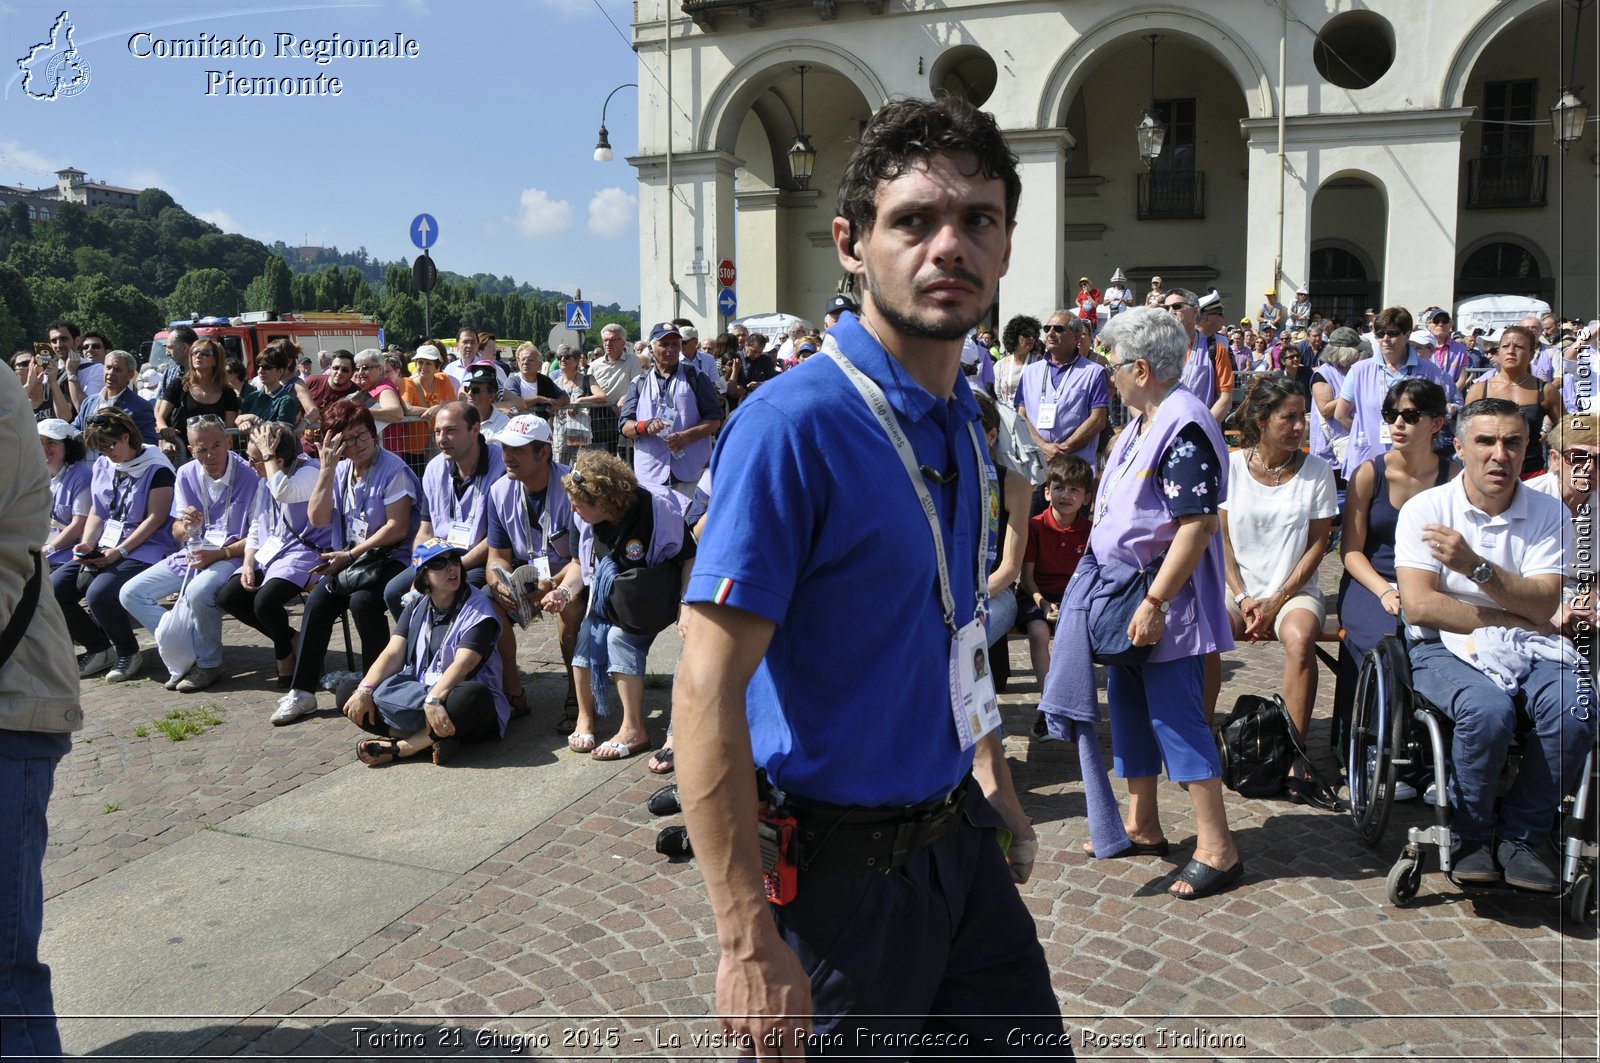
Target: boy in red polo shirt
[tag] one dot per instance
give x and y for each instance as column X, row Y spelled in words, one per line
column 1057, row 538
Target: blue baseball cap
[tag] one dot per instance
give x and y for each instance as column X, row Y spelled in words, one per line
column 665, row 328
column 428, row 550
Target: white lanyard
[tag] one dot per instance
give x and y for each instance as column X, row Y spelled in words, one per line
column 544, row 522
column 1108, row 489
column 206, row 499
column 878, row 403
column 1045, row 390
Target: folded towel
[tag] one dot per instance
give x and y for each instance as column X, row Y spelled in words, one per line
column 1506, row 655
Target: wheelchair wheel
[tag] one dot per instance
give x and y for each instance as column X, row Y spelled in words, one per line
column 1580, row 899
column 1405, row 878
column 1377, row 736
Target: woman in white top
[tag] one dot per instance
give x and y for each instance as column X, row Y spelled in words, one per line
column 1275, row 527
column 1021, row 341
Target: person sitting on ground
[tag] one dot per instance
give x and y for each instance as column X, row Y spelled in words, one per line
column 70, row 474
column 125, row 533
column 371, row 499
column 1276, row 522
column 214, row 500
column 1057, row 539
column 283, row 547
column 437, row 683
column 531, row 524
column 1480, row 553
column 202, row 390
column 1369, row 603
column 622, row 525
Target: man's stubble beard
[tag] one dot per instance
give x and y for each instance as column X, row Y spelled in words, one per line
column 906, row 325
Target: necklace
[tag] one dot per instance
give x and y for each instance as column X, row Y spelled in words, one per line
column 1276, row 472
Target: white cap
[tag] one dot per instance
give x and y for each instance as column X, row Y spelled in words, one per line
column 1209, row 299
column 1422, row 338
column 523, row 429
column 1493, row 336
column 56, row 428
column 428, row 351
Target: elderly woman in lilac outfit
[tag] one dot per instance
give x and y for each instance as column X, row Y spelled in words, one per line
column 1157, row 507
column 1328, row 436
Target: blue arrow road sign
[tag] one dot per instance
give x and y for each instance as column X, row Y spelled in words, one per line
column 424, row 231
column 580, row 316
column 727, row 303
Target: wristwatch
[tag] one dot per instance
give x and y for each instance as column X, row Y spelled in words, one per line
column 1481, row 573
column 432, row 699
column 1238, row 599
column 1161, row 606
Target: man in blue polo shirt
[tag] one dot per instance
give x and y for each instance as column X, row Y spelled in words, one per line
column 823, row 632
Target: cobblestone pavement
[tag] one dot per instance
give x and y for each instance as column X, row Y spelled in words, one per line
column 578, row 941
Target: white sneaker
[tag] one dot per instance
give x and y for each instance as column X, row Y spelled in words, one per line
column 1431, row 794
column 92, row 664
column 292, row 706
column 126, row 668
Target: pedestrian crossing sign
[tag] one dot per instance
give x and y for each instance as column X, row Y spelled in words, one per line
column 580, row 316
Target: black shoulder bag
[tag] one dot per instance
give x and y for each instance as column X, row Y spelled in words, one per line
column 17, row 626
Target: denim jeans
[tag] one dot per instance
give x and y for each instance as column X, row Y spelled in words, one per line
column 141, row 596
column 24, row 982
column 1563, row 712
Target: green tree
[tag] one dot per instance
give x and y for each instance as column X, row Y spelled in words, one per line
column 13, row 337
column 205, row 292
column 53, row 297
column 273, row 289
column 151, row 202
column 17, row 298
column 400, row 314
column 122, row 311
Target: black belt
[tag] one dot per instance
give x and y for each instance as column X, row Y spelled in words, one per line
column 840, row 840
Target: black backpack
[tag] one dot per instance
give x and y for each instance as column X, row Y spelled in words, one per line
column 1258, row 744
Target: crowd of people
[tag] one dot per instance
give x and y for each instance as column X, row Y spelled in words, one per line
column 444, row 496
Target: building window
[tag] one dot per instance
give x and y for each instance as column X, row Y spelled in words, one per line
column 1173, row 188
column 1341, row 290
column 1508, row 118
column 1503, row 268
column 1178, row 149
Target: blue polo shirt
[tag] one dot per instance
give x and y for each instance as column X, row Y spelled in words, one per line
column 814, row 526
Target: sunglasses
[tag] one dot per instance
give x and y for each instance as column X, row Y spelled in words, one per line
column 481, row 389
column 1411, row 416
column 1058, row 328
column 93, row 347
column 442, row 562
column 1389, row 334
column 1578, row 458
column 1174, row 306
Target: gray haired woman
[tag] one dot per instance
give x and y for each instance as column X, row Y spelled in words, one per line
column 1344, row 348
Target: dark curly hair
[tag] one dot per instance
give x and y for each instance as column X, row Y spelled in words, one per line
column 1019, row 326
column 1266, row 394
column 905, row 132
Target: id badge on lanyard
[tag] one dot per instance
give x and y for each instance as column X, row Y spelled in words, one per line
column 112, row 534
column 269, row 550
column 972, row 699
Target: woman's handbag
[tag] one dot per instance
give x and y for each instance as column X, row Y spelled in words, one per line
column 644, row 601
column 365, row 573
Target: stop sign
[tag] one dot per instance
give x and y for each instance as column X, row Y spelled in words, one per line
column 725, row 273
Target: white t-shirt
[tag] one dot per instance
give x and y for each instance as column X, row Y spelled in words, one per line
column 1525, row 539
column 1268, row 525
column 1579, row 544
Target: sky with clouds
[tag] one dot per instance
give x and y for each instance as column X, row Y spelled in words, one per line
column 490, row 127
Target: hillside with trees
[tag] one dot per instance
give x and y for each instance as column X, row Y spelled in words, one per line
column 129, row 272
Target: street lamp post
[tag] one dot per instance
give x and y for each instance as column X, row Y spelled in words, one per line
column 602, row 150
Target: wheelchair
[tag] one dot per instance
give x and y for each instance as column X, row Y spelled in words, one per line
column 1393, row 728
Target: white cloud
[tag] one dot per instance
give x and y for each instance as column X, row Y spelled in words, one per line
column 220, row 218
column 613, row 212
column 541, row 215
column 25, row 167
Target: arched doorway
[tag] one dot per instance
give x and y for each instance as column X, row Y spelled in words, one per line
column 1503, row 268
column 1349, row 230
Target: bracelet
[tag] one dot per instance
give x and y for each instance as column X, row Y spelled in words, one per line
column 364, row 685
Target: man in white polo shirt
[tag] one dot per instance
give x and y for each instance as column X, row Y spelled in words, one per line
column 1484, row 552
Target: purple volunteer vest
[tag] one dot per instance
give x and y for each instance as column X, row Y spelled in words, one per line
column 116, row 499
column 1135, row 527
column 1072, row 397
column 653, row 463
column 74, row 479
column 528, row 540
column 474, row 610
column 231, row 514
column 1370, row 385
column 365, row 498
column 443, row 508
column 1322, row 428
column 1199, row 376
column 295, row 560
column 665, row 541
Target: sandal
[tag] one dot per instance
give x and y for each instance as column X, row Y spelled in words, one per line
column 369, row 749
column 580, row 742
column 1207, row 880
column 661, row 763
column 569, row 710
column 445, row 749
column 611, row 749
